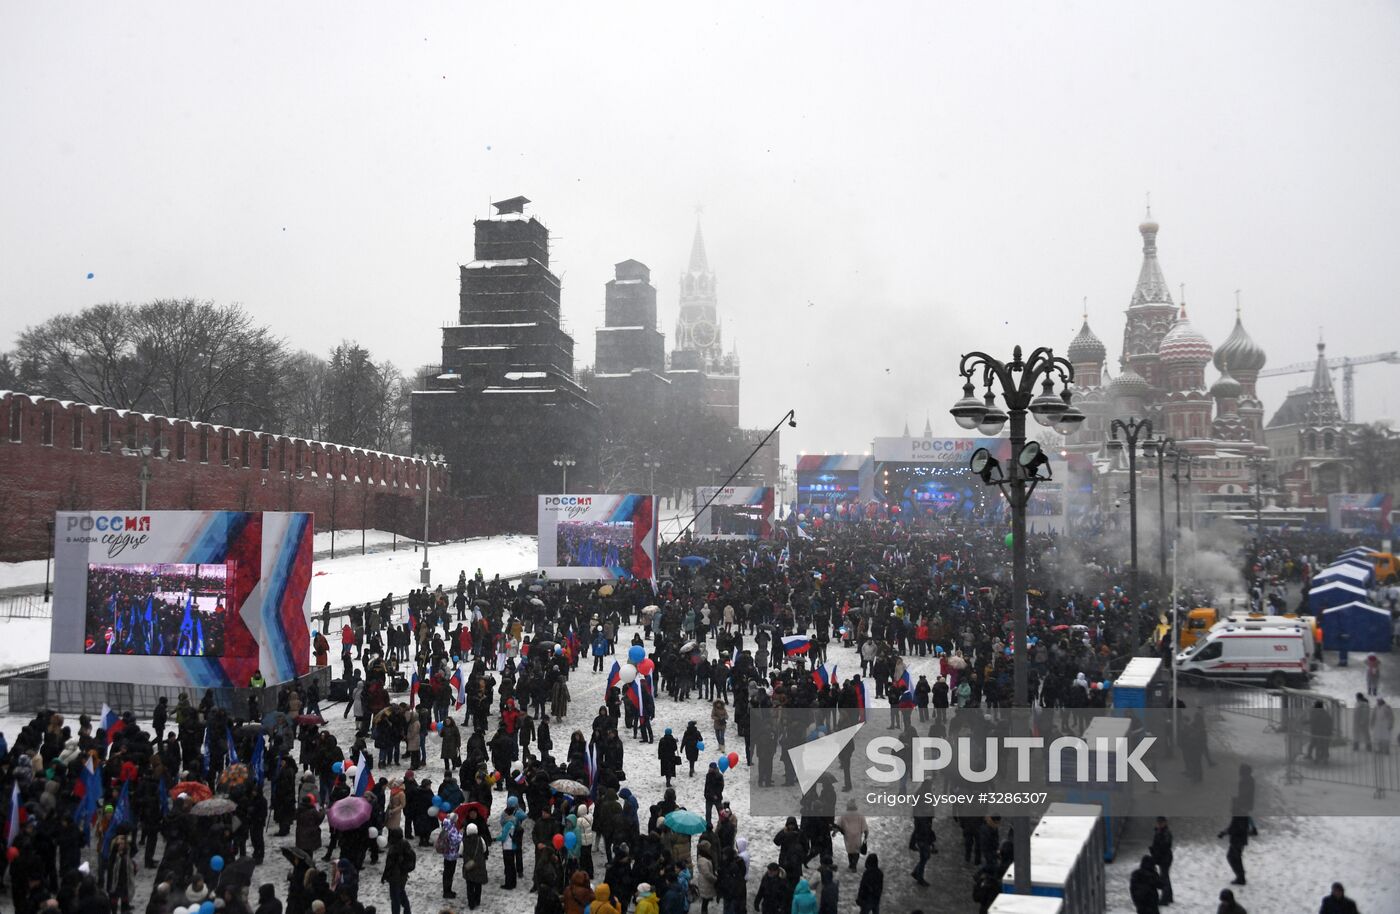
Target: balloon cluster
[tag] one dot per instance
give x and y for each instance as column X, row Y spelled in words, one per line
column 725, row 762
column 206, row 907
column 1101, row 686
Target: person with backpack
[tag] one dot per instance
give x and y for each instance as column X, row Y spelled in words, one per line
column 399, row 864
column 449, row 845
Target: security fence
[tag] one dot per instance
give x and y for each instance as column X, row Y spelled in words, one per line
column 28, row 694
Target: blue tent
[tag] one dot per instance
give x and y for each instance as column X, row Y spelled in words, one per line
column 1335, row 593
column 1362, row 552
column 1357, row 575
column 1358, row 626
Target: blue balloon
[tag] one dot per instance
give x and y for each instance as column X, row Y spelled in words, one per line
column 338, row 767
column 571, row 840
column 723, row 763
column 700, row 745
column 216, row 863
column 439, row 803
column 636, row 653
column 207, row 908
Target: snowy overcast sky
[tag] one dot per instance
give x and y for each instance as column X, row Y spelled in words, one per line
column 884, row 186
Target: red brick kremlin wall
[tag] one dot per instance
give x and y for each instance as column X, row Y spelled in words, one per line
column 57, row 455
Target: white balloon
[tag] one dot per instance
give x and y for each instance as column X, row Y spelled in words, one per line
column 373, row 833
column 382, row 841
column 626, row 674
column 350, row 772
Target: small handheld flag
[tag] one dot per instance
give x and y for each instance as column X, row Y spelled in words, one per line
column 793, row 645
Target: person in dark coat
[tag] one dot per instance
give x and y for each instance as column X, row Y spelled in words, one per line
column 670, row 758
column 1161, row 851
column 690, row 745
column 774, row 894
column 1238, row 832
column 872, row 886
column 1228, row 904
column 1143, row 887
column 1337, row 902
column 830, row 901
column 309, row 819
column 267, row 900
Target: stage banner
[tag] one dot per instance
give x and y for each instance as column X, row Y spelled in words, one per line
column 737, row 512
column 184, row 598
column 597, row 537
column 935, row 450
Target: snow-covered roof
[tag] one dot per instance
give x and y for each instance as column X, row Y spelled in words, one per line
column 608, row 329
column 522, row 375
column 489, row 264
column 509, row 217
column 479, row 348
column 520, row 390
column 449, row 376
column 626, row 282
column 527, row 324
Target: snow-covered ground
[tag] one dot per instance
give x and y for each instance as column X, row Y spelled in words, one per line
column 22, row 576
column 362, row 578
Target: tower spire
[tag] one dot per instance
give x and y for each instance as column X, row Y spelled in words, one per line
column 699, row 262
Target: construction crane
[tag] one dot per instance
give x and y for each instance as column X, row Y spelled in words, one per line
column 1348, row 366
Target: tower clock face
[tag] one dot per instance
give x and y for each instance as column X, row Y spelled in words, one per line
column 703, row 333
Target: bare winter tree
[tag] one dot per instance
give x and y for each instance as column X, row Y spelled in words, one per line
column 303, row 396
column 90, row 356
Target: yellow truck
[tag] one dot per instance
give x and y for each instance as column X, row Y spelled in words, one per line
column 1387, row 568
column 1194, row 625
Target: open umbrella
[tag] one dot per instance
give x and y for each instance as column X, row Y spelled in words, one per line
column 685, row 822
column 651, row 610
column 217, row 806
column 688, row 646
column 295, row 854
column 348, row 813
column 238, row 873
column 572, row 788
column 605, row 591
column 274, row 719
column 694, row 561
column 536, row 601
column 196, row 790
column 313, row 719
column 1059, row 628
column 462, row 811
column 536, row 588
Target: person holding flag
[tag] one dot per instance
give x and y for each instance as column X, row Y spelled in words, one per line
column 900, row 694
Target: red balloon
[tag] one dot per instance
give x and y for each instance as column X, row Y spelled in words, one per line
column 733, row 760
column 559, row 842
column 11, row 854
column 646, row 666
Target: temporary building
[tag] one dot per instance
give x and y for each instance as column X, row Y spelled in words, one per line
column 1358, row 627
column 1334, row 593
column 1360, row 575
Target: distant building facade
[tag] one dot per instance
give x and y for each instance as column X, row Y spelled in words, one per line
column 1162, row 377
column 505, row 404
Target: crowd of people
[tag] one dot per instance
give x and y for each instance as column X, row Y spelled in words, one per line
column 478, row 745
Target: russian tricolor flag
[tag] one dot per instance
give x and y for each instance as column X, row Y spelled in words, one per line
column 905, row 689
column 364, row 781
column 413, row 689
column 862, row 698
column 459, row 685
column 822, row 677
column 614, row 675
column 794, row 645
column 111, row 723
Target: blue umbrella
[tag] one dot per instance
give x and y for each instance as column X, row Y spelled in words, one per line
column 694, row 561
column 685, row 822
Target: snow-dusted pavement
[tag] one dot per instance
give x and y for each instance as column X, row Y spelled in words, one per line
column 1290, row 865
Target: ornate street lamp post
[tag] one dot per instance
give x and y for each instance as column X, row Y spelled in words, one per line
column 1133, row 430
column 563, row 463
column 1016, row 380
